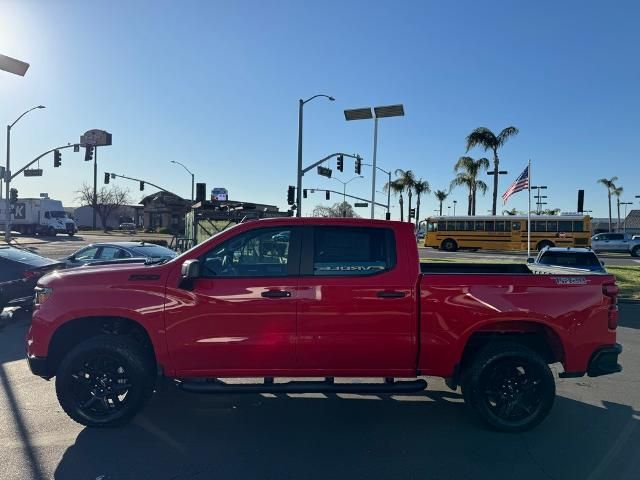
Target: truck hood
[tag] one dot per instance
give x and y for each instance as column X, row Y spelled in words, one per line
column 105, row 274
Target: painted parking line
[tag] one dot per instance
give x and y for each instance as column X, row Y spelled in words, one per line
column 637, row 261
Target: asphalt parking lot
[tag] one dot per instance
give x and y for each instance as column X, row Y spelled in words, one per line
column 592, row 432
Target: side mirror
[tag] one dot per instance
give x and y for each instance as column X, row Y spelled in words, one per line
column 190, row 269
column 530, row 260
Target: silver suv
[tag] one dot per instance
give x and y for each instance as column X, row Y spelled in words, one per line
column 616, row 242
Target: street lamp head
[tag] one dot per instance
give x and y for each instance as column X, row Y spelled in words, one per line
column 331, row 98
column 41, row 106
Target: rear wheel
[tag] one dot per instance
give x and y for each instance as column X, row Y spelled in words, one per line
column 635, row 252
column 105, row 381
column 449, row 245
column 543, row 244
column 509, row 386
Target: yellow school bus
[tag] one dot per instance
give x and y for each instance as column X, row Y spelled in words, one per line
column 507, row 232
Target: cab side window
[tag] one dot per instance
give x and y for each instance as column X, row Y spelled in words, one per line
column 350, row 251
column 262, row 252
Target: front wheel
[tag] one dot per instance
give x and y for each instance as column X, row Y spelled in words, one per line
column 509, row 386
column 52, row 232
column 105, row 381
column 449, row 245
column 635, row 252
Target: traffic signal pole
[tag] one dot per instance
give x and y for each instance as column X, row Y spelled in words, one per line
column 115, row 175
column 9, row 176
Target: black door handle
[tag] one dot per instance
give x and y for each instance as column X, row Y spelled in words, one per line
column 276, row 294
column 391, row 294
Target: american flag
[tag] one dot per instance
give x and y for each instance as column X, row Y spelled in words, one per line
column 521, row 183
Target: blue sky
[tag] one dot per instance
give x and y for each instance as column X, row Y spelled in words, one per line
column 215, row 85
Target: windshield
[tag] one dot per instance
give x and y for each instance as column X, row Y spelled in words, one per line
column 58, row 214
column 570, row 259
column 153, row 251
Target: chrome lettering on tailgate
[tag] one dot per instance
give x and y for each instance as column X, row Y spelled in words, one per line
column 571, row 280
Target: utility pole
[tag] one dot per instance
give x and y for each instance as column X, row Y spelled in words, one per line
column 95, row 186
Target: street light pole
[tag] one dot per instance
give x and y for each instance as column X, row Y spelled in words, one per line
column 368, row 113
column 301, row 103
column 495, row 174
column 7, row 225
column 454, row 207
column 190, row 173
column 625, row 215
column 344, row 191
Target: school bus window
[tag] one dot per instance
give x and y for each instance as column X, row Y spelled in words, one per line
column 539, row 226
column 469, row 226
column 500, row 226
column 479, row 225
column 489, row 225
column 459, row 226
column 515, row 226
column 552, row 226
column 432, row 227
column 564, row 226
column 442, row 225
column 578, row 227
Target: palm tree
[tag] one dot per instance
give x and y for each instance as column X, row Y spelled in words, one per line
column 610, row 185
column 408, row 179
column 617, row 192
column 472, row 168
column 420, row 187
column 486, row 139
column 397, row 188
column 463, row 179
column 441, row 196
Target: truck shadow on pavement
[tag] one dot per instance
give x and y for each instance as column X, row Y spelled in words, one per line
column 429, row 435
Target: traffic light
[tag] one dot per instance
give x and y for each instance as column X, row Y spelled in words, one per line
column 304, row 193
column 76, row 147
column 291, row 192
column 88, row 153
column 107, row 176
column 13, row 195
column 358, row 165
column 340, row 166
column 328, row 195
column 57, row 158
column 141, row 186
column 412, row 213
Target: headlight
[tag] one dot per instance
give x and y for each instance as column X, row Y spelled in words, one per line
column 42, row 295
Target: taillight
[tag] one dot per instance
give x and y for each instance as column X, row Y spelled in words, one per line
column 611, row 290
column 30, row 274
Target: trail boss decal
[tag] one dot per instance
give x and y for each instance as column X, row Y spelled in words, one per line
column 570, row 280
column 348, row 269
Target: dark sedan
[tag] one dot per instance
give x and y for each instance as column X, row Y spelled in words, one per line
column 19, row 272
column 101, row 253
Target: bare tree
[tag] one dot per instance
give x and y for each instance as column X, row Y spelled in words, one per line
column 342, row 209
column 109, row 200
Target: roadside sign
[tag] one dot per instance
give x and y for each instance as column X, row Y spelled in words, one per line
column 95, row 138
column 34, row 172
column 324, row 171
column 360, row 204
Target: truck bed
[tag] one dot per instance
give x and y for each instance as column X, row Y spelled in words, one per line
column 470, row 268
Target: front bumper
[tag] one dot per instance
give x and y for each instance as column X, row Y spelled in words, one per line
column 38, row 366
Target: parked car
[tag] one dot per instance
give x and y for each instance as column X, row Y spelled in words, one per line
column 103, row 252
column 129, row 227
column 19, row 272
column 616, row 242
column 569, row 257
column 346, row 298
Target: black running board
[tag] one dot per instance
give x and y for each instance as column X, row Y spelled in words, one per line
column 327, row 386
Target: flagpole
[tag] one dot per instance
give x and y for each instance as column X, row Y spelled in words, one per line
column 529, row 215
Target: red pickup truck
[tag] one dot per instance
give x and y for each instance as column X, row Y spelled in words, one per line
column 321, row 298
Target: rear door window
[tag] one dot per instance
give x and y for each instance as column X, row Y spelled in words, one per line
column 350, row 251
